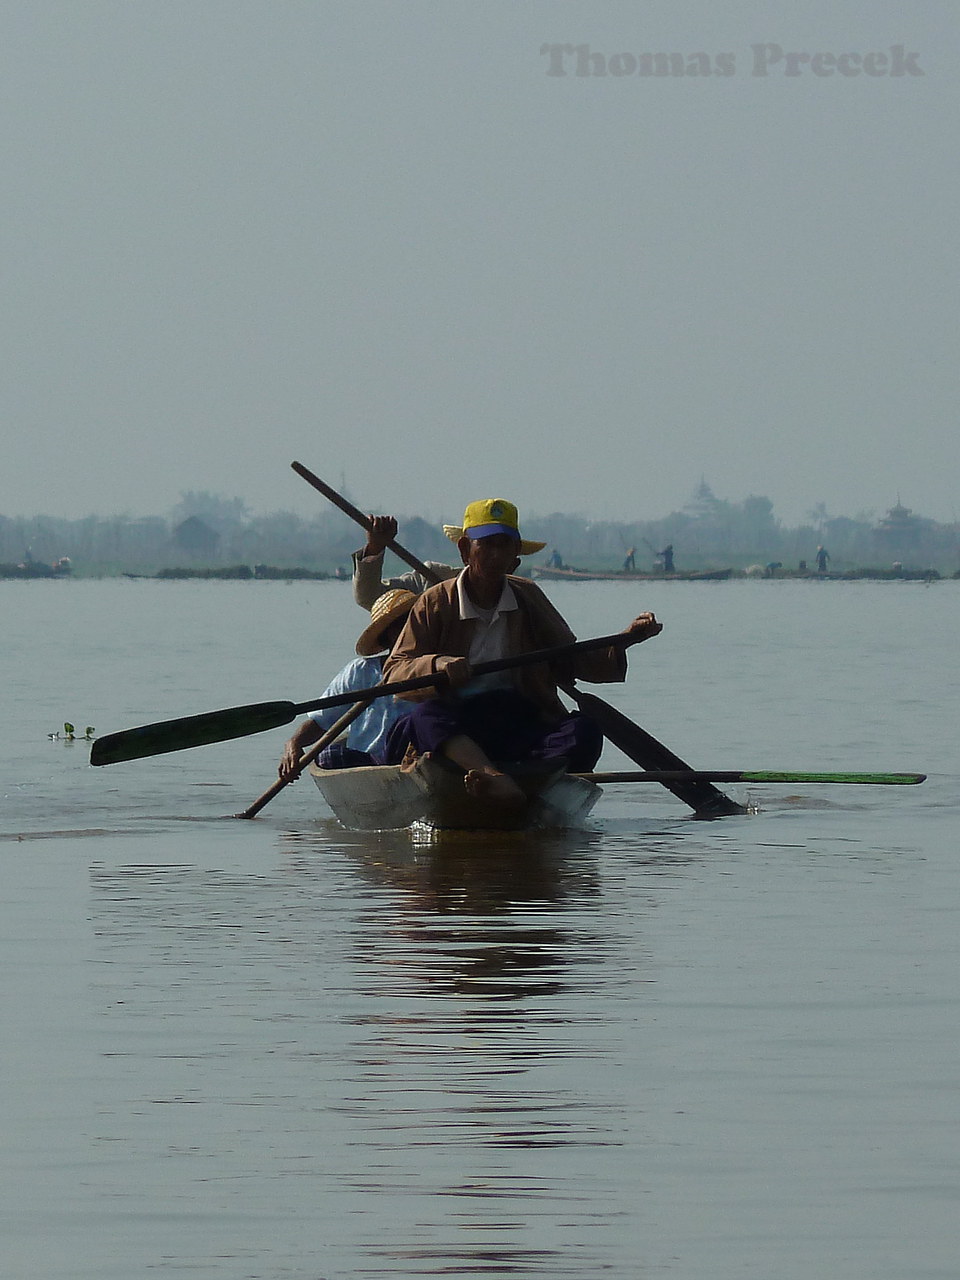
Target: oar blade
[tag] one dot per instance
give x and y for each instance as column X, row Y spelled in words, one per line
column 706, row 800
column 851, row 779
column 190, row 731
column 668, row 776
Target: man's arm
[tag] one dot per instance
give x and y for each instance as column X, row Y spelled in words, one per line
column 368, row 581
column 416, row 652
column 368, row 585
column 596, row 666
column 293, row 749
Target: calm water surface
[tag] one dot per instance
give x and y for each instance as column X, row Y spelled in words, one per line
column 657, row 1048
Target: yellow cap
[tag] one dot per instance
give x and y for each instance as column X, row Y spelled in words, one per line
column 488, row 516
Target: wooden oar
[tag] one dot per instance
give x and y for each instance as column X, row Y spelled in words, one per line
column 308, row 757
column 758, row 775
column 241, row 722
column 354, row 513
column 704, row 798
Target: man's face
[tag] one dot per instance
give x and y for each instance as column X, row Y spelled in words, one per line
column 391, row 633
column 490, row 559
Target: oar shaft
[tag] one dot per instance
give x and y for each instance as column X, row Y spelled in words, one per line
column 706, row 800
column 356, row 514
column 240, row 722
column 758, row 775
column 325, row 739
column 619, row 639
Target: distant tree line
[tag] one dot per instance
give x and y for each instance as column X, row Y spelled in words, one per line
column 206, row 529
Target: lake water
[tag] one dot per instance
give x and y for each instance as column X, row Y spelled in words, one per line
column 658, row 1048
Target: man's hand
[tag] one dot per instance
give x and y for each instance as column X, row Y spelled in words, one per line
column 293, row 750
column 289, row 762
column 382, row 531
column 642, row 628
column 457, row 670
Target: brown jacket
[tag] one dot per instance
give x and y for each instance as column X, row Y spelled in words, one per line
column 434, row 629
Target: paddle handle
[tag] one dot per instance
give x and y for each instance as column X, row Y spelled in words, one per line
column 239, row 722
column 356, row 514
column 439, row 680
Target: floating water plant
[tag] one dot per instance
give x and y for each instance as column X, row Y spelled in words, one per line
column 70, row 733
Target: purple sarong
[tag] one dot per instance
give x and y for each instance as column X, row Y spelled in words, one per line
column 505, row 725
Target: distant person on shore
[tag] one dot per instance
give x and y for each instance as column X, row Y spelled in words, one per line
column 823, row 555
column 368, row 581
column 630, row 563
column 666, row 555
column 366, row 737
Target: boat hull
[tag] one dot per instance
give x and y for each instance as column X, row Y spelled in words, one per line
column 387, row 798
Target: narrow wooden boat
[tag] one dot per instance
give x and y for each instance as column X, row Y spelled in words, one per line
column 621, row 575
column 387, row 797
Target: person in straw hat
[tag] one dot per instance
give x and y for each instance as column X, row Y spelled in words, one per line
column 484, row 614
column 367, row 735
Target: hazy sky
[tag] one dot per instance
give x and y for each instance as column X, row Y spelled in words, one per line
column 411, row 244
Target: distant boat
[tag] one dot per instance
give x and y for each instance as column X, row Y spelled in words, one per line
column 626, row 575
column 61, row 568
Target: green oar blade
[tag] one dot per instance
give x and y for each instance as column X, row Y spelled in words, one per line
column 191, row 731
column 854, row 779
column 667, row 776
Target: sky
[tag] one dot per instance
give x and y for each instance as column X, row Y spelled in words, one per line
column 444, row 250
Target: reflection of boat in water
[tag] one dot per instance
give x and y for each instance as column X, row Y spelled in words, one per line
column 567, row 574
column 387, row 797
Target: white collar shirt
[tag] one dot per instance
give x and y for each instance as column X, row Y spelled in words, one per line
column 489, row 642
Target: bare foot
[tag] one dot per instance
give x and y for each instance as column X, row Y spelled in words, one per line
column 491, row 784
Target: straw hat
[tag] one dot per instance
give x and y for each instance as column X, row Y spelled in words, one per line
column 385, row 609
column 489, row 516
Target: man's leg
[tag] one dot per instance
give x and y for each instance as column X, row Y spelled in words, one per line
column 577, row 740
column 468, row 733
column 481, row 777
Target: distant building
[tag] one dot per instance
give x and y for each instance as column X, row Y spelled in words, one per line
column 196, row 537
column 899, row 527
column 704, row 502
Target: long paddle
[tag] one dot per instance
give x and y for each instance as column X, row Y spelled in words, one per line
column 703, row 797
column 356, row 514
column 347, row 719
column 758, row 775
column 240, row 722
column 706, row 800
column 308, row 757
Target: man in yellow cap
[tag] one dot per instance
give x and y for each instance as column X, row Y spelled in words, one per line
column 484, row 614
column 367, row 735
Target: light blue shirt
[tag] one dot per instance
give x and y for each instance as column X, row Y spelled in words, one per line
column 369, row 731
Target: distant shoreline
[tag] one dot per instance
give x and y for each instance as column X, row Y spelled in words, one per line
column 270, row 573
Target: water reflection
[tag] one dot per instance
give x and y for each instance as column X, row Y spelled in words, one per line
column 472, row 914
column 481, row 1033
column 424, row 1036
